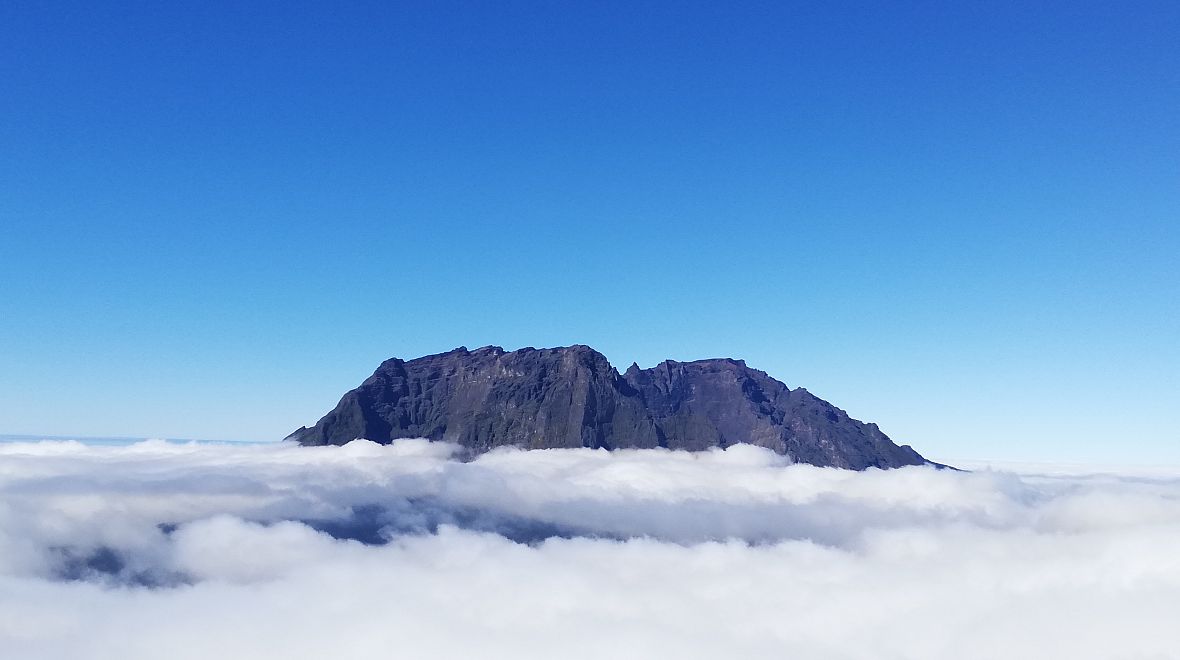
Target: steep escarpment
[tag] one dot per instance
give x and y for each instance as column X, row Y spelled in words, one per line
column 573, row 397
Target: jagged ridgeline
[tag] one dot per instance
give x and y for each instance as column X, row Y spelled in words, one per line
column 573, row 397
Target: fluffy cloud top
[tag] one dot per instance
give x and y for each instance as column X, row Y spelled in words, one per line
column 364, row 551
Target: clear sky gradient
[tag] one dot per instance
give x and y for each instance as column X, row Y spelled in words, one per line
column 959, row 220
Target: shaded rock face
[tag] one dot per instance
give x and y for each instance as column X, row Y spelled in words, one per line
column 573, row 397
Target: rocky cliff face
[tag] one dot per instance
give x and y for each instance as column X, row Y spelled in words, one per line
column 573, row 397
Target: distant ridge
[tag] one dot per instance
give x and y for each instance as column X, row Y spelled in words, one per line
column 573, row 397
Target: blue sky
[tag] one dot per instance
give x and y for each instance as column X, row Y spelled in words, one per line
column 959, row 220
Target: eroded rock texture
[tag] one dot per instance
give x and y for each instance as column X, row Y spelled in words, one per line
column 573, row 397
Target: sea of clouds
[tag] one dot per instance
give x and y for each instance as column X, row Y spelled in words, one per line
column 161, row 550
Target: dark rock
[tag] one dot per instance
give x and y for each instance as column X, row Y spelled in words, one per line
column 573, row 397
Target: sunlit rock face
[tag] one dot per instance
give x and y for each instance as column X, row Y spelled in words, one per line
column 572, row 397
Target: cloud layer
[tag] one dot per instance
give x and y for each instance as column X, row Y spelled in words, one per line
column 367, row 551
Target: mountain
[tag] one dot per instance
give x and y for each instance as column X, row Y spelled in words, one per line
column 573, row 397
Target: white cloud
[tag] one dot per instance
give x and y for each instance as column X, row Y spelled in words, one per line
column 256, row 552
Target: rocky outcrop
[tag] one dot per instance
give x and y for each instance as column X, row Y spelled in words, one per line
column 573, row 397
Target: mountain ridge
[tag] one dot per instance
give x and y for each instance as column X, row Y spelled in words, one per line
column 573, row 397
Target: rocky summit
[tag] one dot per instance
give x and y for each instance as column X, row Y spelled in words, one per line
column 572, row 397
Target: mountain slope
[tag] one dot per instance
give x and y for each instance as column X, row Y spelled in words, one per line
column 573, row 397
